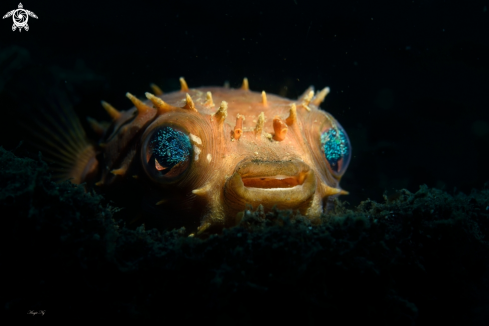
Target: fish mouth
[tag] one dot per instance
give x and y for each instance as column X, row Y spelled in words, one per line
column 287, row 184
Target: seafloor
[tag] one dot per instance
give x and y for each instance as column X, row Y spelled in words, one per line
column 417, row 258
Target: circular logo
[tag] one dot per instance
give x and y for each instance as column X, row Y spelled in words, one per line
column 20, row 18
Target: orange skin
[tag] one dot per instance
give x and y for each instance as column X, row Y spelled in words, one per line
column 237, row 158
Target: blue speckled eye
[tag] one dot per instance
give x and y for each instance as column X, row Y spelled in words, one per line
column 168, row 153
column 337, row 149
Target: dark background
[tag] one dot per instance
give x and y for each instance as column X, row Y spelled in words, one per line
column 409, row 79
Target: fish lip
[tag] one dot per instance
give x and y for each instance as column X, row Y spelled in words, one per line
column 237, row 193
column 273, row 174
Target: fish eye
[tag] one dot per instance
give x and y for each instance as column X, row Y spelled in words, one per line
column 336, row 147
column 166, row 153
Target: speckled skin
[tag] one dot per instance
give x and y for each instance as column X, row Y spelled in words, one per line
column 212, row 190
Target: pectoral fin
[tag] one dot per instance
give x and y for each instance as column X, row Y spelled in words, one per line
column 58, row 134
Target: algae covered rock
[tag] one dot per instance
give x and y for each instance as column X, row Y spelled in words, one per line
column 418, row 258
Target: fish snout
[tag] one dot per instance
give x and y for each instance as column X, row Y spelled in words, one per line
column 287, row 184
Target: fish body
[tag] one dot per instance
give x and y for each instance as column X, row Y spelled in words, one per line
column 200, row 155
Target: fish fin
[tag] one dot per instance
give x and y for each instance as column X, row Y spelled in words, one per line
column 57, row 132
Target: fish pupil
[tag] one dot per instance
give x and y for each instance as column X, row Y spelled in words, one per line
column 335, row 146
column 170, row 147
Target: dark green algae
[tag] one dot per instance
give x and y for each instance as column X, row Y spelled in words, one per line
column 416, row 259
